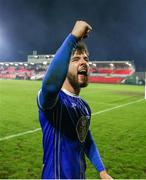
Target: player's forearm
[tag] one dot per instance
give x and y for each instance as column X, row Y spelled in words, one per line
column 93, row 153
column 57, row 69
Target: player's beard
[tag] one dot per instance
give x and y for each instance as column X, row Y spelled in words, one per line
column 74, row 81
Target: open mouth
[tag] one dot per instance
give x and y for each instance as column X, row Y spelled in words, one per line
column 83, row 72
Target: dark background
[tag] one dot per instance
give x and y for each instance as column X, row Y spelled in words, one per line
column 119, row 28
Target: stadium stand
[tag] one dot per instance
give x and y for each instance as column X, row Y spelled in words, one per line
column 36, row 65
column 22, row 70
column 110, row 71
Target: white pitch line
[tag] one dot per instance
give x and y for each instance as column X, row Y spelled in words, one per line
column 116, row 107
column 38, row 129
column 19, row 134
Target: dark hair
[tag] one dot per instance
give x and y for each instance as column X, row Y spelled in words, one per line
column 80, row 47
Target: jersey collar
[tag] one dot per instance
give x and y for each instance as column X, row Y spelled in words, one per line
column 69, row 93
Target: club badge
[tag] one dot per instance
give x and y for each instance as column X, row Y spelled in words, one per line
column 82, row 128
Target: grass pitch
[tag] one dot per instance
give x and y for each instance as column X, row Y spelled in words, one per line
column 118, row 126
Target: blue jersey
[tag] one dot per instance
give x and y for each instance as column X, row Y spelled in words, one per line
column 65, row 120
column 65, row 128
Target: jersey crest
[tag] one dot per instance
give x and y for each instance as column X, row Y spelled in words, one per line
column 82, row 128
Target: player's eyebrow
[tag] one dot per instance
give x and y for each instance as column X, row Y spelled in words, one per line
column 77, row 57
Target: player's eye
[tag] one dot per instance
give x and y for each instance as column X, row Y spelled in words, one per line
column 86, row 59
column 75, row 59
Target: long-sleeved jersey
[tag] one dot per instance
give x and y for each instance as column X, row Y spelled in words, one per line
column 65, row 120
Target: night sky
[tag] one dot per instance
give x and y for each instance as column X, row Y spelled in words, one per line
column 119, row 28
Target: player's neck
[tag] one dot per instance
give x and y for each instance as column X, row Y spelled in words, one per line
column 70, row 88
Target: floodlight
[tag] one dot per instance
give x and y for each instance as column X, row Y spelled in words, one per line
column 45, row 62
column 36, row 56
column 111, row 64
column 51, row 56
column 129, row 64
column 47, row 56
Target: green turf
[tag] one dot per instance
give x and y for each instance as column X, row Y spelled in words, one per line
column 120, row 133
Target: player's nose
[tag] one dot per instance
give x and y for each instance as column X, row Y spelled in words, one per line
column 83, row 61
